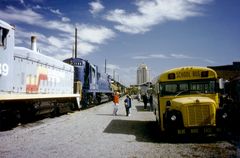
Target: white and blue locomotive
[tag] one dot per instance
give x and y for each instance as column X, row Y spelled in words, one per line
column 96, row 86
column 32, row 83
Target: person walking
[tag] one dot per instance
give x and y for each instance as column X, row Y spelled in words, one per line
column 128, row 105
column 145, row 101
column 139, row 97
column 115, row 103
column 151, row 102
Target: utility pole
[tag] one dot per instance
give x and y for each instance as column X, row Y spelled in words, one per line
column 75, row 42
column 73, row 51
column 105, row 65
column 114, row 74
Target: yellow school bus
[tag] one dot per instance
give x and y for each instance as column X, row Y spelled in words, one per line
column 185, row 100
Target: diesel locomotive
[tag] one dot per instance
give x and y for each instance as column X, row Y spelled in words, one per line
column 32, row 83
column 96, row 86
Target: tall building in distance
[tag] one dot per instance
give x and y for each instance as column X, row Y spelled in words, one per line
column 143, row 74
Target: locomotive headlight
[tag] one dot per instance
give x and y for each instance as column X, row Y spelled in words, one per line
column 224, row 116
column 173, row 117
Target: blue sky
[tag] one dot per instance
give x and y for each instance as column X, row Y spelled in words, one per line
column 163, row 34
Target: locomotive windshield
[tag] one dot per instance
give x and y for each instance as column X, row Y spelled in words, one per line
column 77, row 63
column 3, row 35
column 188, row 87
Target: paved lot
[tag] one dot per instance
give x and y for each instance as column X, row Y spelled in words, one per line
column 96, row 132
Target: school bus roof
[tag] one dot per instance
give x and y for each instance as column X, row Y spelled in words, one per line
column 186, row 73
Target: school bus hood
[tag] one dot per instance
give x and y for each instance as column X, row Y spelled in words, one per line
column 196, row 111
column 192, row 100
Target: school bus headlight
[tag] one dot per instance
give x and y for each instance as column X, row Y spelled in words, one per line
column 173, row 117
column 224, row 116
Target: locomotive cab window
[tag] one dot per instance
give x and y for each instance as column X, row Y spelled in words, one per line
column 3, row 36
column 77, row 63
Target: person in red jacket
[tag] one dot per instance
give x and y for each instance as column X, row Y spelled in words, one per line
column 115, row 103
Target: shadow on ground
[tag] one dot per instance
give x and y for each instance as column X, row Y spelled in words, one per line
column 147, row 131
column 111, row 115
column 140, row 108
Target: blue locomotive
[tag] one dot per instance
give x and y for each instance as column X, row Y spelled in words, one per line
column 96, row 86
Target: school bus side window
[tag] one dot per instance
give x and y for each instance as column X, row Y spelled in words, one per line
column 3, row 35
column 170, row 89
column 204, row 87
column 183, row 87
column 160, row 89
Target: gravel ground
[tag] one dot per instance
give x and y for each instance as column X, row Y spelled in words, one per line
column 96, row 132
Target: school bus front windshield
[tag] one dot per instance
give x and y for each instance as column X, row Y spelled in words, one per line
column 188, row 87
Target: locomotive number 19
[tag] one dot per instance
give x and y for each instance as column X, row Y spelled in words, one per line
column 3, row 69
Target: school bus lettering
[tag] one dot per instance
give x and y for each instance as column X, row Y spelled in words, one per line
column 183, row 75
column 188, row 74
column 196, row 74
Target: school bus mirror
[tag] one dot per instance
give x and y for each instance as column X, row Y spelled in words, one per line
column 221, row 83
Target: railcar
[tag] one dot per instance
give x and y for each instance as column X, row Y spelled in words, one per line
column 118, row 87
column 32, row 83
column 96, row 86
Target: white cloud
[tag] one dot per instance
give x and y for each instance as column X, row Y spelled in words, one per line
column 140, row 57
column 96, row 7
column 95, row 34
column 55, row 42
column 37, row 7
column 113, row 67
column 181, row 56
column 158, row 56
column 58, row 25
column 151, row 56
column 153, row 12
column 173, row 56
column 90, row 36
column 22, row 2
column 23, row 36
column 127, row 76
column 26, row 16
column 200, row 1
column 30, row 17
column 65, row 19
column 53, row 46
column 85, row 48
column 209, row 61
column 56, row 11
column 63, row 56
